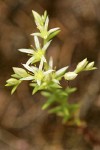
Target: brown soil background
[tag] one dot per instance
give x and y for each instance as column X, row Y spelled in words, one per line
column 23, row 126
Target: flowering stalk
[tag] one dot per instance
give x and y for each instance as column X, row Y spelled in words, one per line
column 43, row 76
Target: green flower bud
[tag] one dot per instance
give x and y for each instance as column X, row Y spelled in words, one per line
column 38, row 18
column 81, row 65
column 90, row 66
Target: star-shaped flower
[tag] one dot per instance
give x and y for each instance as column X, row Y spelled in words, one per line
column 38, row 73
column 37, row 53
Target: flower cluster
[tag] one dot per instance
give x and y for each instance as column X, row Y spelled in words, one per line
column 43, row 76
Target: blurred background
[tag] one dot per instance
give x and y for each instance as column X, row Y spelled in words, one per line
column 23, row 126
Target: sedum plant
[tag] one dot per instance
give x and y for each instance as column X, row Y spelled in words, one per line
column 44, row 77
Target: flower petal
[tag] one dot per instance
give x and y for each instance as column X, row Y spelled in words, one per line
column 51, row 62
column 48, row 71
column 36, row 40
column 41, row 64
column 32, row 69
column 28, row 51
column 30, row 60
column 36, row 34
column 46, row 23
column 46, row 45
column 43, row 59
column 53, row 30
column 39, row 82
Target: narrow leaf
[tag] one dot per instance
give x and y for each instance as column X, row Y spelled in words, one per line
column 53, row 35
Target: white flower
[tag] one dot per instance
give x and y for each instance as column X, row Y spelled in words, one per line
column 38, row 73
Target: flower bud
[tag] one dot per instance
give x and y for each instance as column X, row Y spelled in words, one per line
column 81, row 65
column 70, row 76
column 90, row 66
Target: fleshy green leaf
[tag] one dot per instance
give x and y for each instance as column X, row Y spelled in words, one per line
column 55, row 110
column 47, row 103
column 11, row 82
column 52, row 34
column 15, row 76
column 61, row 71
column 70, row 90
column 20, row 72
column 14, row 89
column 45, row 93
